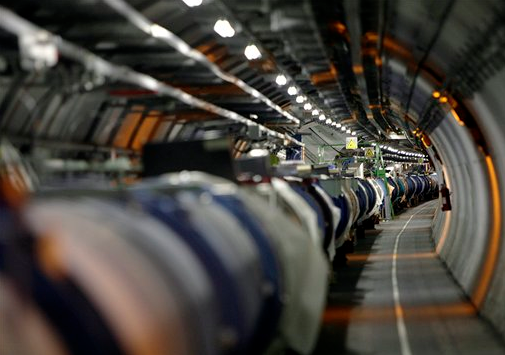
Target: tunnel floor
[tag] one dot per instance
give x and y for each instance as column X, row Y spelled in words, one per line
column 415, row 307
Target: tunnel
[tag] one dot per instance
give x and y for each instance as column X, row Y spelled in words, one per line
column 366, row 137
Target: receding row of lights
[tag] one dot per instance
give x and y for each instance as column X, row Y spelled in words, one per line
column 397, row 151
column 223, row 28
column 395, row 162
column 399, row 157
column 334, row 124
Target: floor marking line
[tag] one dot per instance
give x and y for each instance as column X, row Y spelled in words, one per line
column 400, row 322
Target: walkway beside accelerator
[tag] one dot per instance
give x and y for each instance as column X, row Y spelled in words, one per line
column 395, row 296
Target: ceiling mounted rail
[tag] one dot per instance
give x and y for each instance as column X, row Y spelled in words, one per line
column 24, row 29
column 163, row 34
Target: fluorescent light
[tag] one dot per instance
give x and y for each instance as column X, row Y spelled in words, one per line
column 300, row 99
column 322, row 117
column 397, row 136
column 307, row 106
column 292, row 90
column 192, row 3
column 315, row 112
column 281, row 80
column 339, row 125
column 258, row 153
column 328, row 121
column 224, row 29
column 252, row 52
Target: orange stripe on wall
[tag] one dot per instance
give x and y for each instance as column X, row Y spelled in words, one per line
column 491, row 259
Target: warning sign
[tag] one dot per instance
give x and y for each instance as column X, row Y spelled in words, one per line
column 369, row 153
column 351, row 143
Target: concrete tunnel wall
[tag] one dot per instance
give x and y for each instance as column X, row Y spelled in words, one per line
column 470, row 237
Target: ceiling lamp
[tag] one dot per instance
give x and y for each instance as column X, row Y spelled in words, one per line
column 322, row 117
column 192, row 3
column 343, row 128
column 339, row 125
column 353, row 133
column 300, row 99
column 307, row 106
column 281, row 80
column 328, row 121
column 252, row 52
column 292, row 90
column 224, row 29
column 334, row 124
column 315, row 112
column 348, row 131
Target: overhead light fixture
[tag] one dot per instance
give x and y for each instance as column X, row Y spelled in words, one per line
column 224, row 29
column 281, row 80
column 253, row 116
column 252, row 52
column 334, row 123
column 348, row 131
column 339, row 125
column 436, row 94
column 343, row 128
column 315, row 112
column 397, row 136
column 292, row 90
column 307, row 106
column 443, row 99
column 322, row 117
column 300, row 99
column 353, row 133
column 192, row 3
column 328, row 121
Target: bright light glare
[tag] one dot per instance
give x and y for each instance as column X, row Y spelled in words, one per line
column 322, row 117
column 315, row 112
column 300, row 99
column 339, row 125
column 292, row 91
column 224, row 29
column 307, row 106
column 159, row 32
column 192, row 3
column 252, row 52
column 281, row 80
column 328, row 121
